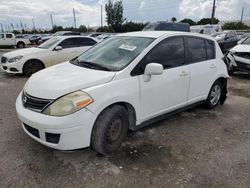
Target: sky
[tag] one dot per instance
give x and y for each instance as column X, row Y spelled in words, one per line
column 88, row 12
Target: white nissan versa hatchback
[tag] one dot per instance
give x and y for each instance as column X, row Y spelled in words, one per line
column 124, row 82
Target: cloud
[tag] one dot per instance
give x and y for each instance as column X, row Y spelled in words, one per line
column 143, row 3
column 13, row 11
column 225, row 9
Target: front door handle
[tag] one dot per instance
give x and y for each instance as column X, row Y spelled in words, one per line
column 213, row 66
column 183, row 73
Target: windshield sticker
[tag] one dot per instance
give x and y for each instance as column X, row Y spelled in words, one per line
column 127, row 47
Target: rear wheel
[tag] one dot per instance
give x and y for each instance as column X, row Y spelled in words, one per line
column 20, row 45
column 110, row 129
column 32, row 67
column 214, row 95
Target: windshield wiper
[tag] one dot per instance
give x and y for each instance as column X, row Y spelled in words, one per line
column 92, row 65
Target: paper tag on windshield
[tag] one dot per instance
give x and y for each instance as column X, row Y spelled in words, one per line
column 127, row 47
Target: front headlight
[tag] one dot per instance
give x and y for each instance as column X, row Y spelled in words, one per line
column 14, row 59
column 68, row 104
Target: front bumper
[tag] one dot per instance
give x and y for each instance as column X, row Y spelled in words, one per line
column 15, row 67
column 239, row 63
column 74, row 131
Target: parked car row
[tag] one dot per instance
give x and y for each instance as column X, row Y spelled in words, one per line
column 9, row 39
column 124, row 82
column 56, row 50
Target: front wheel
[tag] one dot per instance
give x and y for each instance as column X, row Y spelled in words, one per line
column 214, row 95
column 110, row 129
column 32, row 67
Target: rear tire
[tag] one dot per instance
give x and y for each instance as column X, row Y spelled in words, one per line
column 31, row 67
column 214, row 95
column 20, row 45
column 110, row 129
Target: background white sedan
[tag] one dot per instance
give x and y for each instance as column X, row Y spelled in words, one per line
column 54, row 51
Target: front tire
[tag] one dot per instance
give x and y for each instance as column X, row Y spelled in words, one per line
column 32, row 67
column 110, row 129
column 214, row 95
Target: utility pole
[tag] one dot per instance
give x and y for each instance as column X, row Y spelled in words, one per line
column 2, row 27
column 213, row 12
column 51, row 20
column 101, row 18
column 74, row 14
column 21, row 24
column 242, row 12
column 34, row 27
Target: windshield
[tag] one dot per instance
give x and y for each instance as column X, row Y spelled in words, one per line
column 49, row 43
column 115, row 53
column 246, row 41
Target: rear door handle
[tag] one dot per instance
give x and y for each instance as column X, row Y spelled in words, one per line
column 183, row 73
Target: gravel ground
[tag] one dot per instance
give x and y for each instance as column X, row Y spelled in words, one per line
column 195, row 148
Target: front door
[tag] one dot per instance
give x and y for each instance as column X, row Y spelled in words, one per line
column 169, row 91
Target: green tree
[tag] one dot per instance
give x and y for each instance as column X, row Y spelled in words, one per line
column 205, row 21
column 189, row 21
column 173, row 19
column 234, row 26
column 132, row 26
column 82, row 29
column 114, row 14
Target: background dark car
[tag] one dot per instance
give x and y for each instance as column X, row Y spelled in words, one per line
column 34, row 39
column 167, row 26
column 227, row 40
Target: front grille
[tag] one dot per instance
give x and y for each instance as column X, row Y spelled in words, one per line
column 243, row 54
column 3, row 60
column 243, row 66
column 32, row 130
column 33, row 103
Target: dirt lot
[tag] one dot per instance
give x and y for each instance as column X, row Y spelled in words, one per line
column 196, row 148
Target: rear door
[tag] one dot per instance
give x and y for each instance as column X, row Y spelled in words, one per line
column 202, row 65
column 169, row 91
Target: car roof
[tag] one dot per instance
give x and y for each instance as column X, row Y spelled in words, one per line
column 74, row 36
column 158, row 34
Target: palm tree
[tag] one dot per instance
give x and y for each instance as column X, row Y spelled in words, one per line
column 173, row 19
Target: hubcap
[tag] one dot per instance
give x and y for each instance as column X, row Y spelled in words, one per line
column 215, row 95
column 114, row 130
column 33, row 68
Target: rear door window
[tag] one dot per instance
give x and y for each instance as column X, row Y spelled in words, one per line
column 196, row 50
column 86, row 42
column 210, row 49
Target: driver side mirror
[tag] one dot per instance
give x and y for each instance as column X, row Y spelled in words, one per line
column 152, row 69
column 58, row 48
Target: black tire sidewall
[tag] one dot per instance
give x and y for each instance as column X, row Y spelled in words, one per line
column 208, row 103
column 99, row 134
column 25, row 72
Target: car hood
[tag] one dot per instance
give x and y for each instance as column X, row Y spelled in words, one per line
column 241, row 48
column 64, row 78
column 24, row 52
